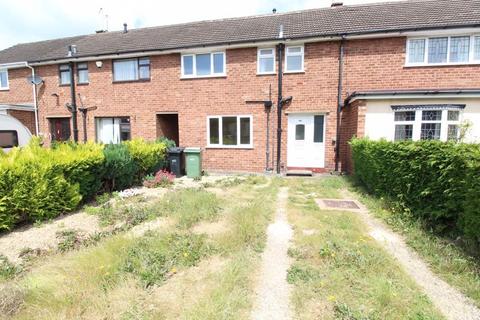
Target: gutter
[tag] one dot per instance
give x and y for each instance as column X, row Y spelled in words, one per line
column 406, row 94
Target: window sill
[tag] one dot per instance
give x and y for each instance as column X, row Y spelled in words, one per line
column 64, row 85
column 294, row 72
column 130, row 81
column 266, row 73
column 5, row 89
column 203, row 77
column 83, row 84
column 249, row 147
column 448, row 64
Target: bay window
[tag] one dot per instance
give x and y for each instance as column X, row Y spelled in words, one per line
column 462, row 49
column 113, row 130
column 131, row 69
column 3, row 80
column 427, row 122
column 266, row 61
column 203, row 65
column 229, row 131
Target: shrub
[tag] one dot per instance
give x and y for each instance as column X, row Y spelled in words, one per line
column 162, row 178
column 435, row 181
column 82, row 164
column 149, row 156
column 120, row 167
column 33, row 187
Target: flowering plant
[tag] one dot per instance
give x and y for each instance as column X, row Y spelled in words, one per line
column 162, row 178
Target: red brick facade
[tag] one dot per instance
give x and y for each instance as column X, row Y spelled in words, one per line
column 25, row 117
column 369, row 64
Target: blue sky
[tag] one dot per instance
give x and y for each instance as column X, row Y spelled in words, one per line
column 34, row 20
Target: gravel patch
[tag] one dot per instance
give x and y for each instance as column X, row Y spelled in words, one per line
column 272, row 294
column 451, row 302
column 157, row 224
column 44, row 237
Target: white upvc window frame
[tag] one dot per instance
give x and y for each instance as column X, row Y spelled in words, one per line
column 220, row 144
column 7, row 87
column 425, row 63
column 194, row 65
column 260, row 56
column 417, row 123
column 301, row 53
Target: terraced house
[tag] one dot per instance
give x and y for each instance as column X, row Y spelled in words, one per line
column 400, row 70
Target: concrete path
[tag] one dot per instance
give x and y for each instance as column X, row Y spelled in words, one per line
column 451, row 302
column 272, row 294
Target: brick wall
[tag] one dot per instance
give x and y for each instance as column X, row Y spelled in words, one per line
column 27, row 118
column 369, row 64
column 352, row 125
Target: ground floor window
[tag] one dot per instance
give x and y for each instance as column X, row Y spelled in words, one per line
column 229, row 131
column 427, row 122
column 60, row 129
column 113, row 130
column 8, row 139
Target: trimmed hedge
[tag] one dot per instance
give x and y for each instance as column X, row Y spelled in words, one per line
column 38, row 183
column 435, row 181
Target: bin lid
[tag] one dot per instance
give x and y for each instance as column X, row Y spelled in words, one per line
column 193, row 150
column 175, row 150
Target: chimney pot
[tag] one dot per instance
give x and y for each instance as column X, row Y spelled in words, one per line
column 337, row 4
column 125, row 29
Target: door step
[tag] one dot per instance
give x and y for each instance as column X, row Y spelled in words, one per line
column 300, row 173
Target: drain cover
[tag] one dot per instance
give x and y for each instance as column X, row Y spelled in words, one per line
column 341, row 204
column 337, row 204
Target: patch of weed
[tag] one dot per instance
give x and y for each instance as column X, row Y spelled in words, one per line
column 189, row 206
column 156, row 257
column 8, row 270
column 69, row 239
column 298, row 273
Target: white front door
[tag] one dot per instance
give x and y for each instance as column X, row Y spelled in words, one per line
column 306, row 141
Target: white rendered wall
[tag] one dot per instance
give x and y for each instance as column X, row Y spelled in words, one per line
column 379, row 116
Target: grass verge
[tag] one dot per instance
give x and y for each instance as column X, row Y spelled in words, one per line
column 338, row 271
column 444, row 257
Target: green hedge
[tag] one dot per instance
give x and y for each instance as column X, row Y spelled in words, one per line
column 435, row 181
column 39, row 183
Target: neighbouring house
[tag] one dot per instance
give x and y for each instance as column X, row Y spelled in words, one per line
column 400, row 70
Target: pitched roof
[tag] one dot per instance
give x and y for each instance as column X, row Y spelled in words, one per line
column 347, row 20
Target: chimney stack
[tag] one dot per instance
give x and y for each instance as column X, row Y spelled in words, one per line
column 274, row 10
column 337, row 4
column 125, row 29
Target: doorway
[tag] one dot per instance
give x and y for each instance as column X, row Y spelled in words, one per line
column 167, row 126
column 60, row 129
column 306, row 141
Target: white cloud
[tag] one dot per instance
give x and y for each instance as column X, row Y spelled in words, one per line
column 35, row 20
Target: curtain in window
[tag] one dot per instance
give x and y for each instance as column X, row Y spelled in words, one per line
column 459, row 49
column 3, row 79
column 437, row 50
column 108, row 130
column 416, row 51
column 125, row 70
column 477, row 48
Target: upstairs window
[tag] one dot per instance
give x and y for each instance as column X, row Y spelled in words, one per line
column 3, row 80
column 64, row 74
column 229, row 131
column 463, row 49
column 203, row 65
column 266, row 61
column 294, row 59
column 82, row 73
column 131, row 69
